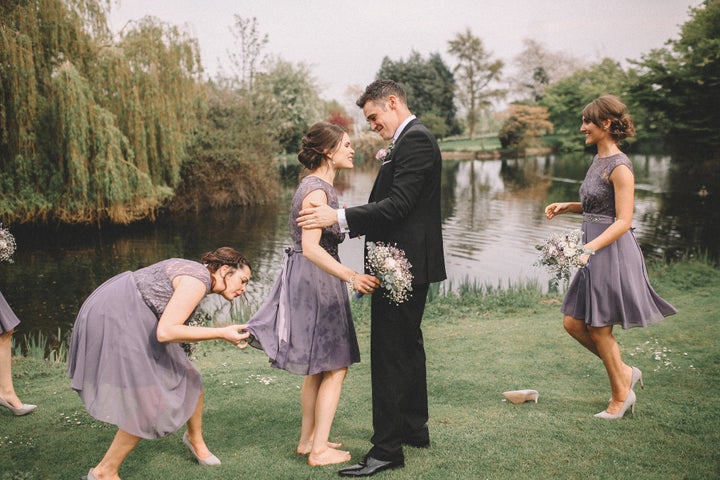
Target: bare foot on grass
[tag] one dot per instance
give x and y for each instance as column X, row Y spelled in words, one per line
column 306, row 447
column 330, row 456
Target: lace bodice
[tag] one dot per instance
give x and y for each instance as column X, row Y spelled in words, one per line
column 597, row 194
column 155, row 281
column 331, row 236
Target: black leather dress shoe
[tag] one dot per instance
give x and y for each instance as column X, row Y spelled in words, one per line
column 369, row 466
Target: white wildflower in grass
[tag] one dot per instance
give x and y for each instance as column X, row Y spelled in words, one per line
column 262, row 379
column 7, row 245
column 81, row 418
column 561, row 253
column 390, row 265
column 664, row 358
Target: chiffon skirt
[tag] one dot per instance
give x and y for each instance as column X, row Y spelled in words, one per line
column 123, row 375
column 613, row 288
column 304, row 326
column 8, row 319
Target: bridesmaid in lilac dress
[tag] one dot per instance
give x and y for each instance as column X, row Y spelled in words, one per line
column 8, row 397
column 304, row 325
column 126, row 360
column 613, row 287
column 8, row 322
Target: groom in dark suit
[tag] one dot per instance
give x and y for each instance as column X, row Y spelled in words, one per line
column 403, row 210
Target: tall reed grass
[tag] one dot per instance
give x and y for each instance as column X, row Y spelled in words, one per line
column 40, row 347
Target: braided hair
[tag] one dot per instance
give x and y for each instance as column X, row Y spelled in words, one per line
column 224, row 256
column 609, row 107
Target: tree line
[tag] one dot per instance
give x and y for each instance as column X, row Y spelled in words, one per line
column 96, row 127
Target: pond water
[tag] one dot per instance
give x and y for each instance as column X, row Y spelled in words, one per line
column 492, row 219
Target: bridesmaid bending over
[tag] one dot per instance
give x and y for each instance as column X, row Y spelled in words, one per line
column 126, row 360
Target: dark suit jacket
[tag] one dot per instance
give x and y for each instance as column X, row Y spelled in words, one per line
column 404, row 206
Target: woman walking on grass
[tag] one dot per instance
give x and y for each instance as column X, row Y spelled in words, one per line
column 612, row 288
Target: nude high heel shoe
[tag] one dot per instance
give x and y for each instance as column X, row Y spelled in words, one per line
column 522, row 396
column 636, row 377
column 210, row 461
column 629, row 403
column 18, row 412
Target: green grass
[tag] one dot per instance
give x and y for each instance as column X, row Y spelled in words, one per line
column 480, row 144
column 479, row 345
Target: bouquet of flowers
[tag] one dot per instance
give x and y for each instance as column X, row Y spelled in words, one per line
column 561, row 253
column 7, row 245
column 390, row 265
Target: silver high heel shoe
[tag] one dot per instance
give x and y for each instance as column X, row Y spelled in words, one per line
column 629, row 403
column 636, row 377
column 211, row 460
column 522, row 396
column 18, row 412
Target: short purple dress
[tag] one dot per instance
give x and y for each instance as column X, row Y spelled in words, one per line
column 8, row 320
column 123, row 374
column 304, row 325
column 613, row 288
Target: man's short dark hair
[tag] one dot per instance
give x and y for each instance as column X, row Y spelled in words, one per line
column 381, row 90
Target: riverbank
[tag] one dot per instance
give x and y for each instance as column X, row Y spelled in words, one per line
column 479, row 344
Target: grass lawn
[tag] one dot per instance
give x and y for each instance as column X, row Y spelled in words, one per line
column 478, row 346
column 480, row 144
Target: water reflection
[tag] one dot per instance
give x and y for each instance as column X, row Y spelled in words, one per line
column 492, row 214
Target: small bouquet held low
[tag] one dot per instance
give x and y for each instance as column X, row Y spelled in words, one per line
column 7, row 245
column 390, row 265
column 561, row 253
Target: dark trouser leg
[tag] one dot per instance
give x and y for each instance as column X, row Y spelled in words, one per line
column 399, row 389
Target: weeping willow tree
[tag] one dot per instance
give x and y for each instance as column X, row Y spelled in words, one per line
column 91, row 128
column 95, row 161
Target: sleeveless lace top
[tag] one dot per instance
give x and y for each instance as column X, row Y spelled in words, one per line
column 155, row 281
column 597, row 194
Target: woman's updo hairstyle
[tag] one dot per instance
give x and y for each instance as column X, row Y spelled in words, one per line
column 609, row 107
column 320, row 141
column 224, row 256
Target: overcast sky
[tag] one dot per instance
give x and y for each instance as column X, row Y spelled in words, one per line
column 343, row 42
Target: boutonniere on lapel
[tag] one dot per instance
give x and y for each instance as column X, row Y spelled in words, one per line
column 383, row 153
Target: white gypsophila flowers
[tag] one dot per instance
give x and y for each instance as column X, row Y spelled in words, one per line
column 7, row 245
column 561, row 253
column 390, row 265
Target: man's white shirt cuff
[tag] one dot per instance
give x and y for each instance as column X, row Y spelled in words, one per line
column 342, row 221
